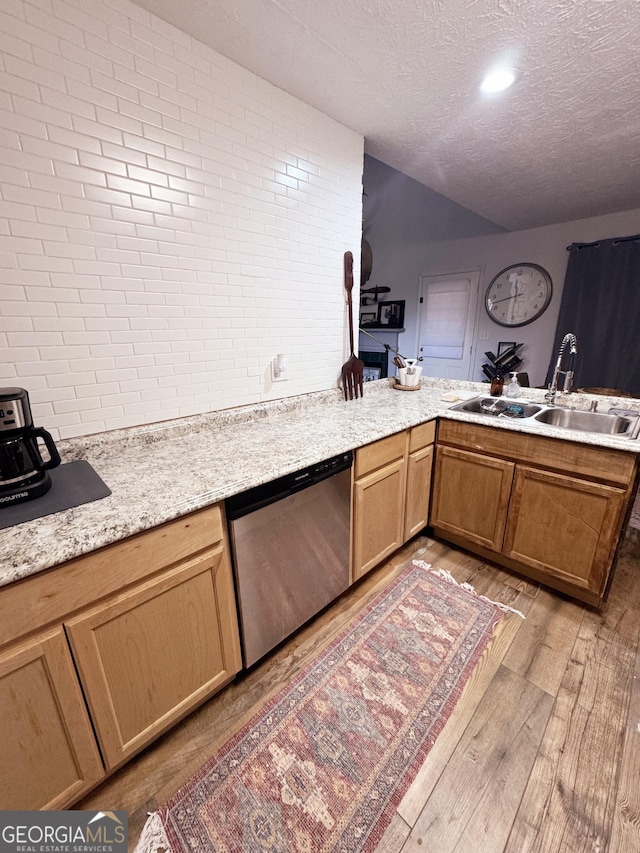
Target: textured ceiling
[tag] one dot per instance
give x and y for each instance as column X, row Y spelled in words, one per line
column 562, row 144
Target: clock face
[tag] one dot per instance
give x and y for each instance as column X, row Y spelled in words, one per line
column 518, row 295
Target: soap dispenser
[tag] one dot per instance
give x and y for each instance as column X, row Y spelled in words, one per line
column 514, row 389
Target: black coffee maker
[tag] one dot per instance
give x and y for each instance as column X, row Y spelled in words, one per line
column 23, row 471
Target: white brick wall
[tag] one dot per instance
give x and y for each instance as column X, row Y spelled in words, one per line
column 168, row 222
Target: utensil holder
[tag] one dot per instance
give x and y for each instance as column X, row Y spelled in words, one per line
column 410, row 375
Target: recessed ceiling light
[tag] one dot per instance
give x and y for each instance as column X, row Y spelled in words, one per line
column 499, row 80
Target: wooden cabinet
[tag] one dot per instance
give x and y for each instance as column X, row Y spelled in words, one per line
column 390, row 494
column 419, row 465
column 378, row 501
column 563, row 526
column 550, row 509
column 48, row 753
column 472, row 497
column 152, row 631
column 148, row 656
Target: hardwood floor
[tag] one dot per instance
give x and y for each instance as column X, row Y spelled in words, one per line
column 541, row 753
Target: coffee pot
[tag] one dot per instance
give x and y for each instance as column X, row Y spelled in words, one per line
column 23, row 471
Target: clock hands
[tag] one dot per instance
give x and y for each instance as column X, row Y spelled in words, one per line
column 506, row 298
column 526, row 287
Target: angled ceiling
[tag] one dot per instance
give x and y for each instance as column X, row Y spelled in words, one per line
column 562, row 144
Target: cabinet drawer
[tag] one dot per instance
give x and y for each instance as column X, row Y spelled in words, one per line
column 594, row 463
column 380, row 453
column 422, row 435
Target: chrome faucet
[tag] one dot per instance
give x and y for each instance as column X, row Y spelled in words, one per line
column 571, row 341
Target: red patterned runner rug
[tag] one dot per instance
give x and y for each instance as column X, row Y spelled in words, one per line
column 325, row 763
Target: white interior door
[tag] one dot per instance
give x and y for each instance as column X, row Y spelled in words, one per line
column 446, row 324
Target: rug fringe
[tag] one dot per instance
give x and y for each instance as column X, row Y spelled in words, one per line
column 447, row 576
column 153, row 838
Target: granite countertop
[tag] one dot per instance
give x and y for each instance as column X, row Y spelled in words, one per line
column 163, row 471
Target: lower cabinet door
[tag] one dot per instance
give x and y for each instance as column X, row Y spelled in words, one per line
column 418, row 490
column 563, row 526
column 48, row 753
column 378, row 512
column 149, row 655
column 471, row 496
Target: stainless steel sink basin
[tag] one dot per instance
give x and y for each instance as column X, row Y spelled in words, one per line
column 498, row 406
column 553, row 416
column 584, row 421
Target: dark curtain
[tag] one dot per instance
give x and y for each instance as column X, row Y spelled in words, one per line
column 601, row 306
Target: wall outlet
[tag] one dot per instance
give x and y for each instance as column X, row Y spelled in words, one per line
column 279, row 368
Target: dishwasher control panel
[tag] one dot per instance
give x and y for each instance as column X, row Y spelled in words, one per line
column 275, row 490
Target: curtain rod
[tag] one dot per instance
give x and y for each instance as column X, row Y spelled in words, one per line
column 614, row 242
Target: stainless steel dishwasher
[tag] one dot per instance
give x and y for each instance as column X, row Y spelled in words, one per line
column 290, row 548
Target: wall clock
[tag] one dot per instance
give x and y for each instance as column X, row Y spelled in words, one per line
column 518, row 295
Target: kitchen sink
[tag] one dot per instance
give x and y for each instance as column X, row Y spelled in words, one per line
column 585, row 421
column 498, row 406
column 551, row 416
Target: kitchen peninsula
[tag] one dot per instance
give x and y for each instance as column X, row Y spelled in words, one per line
column 156, row 549
column 166, row 470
